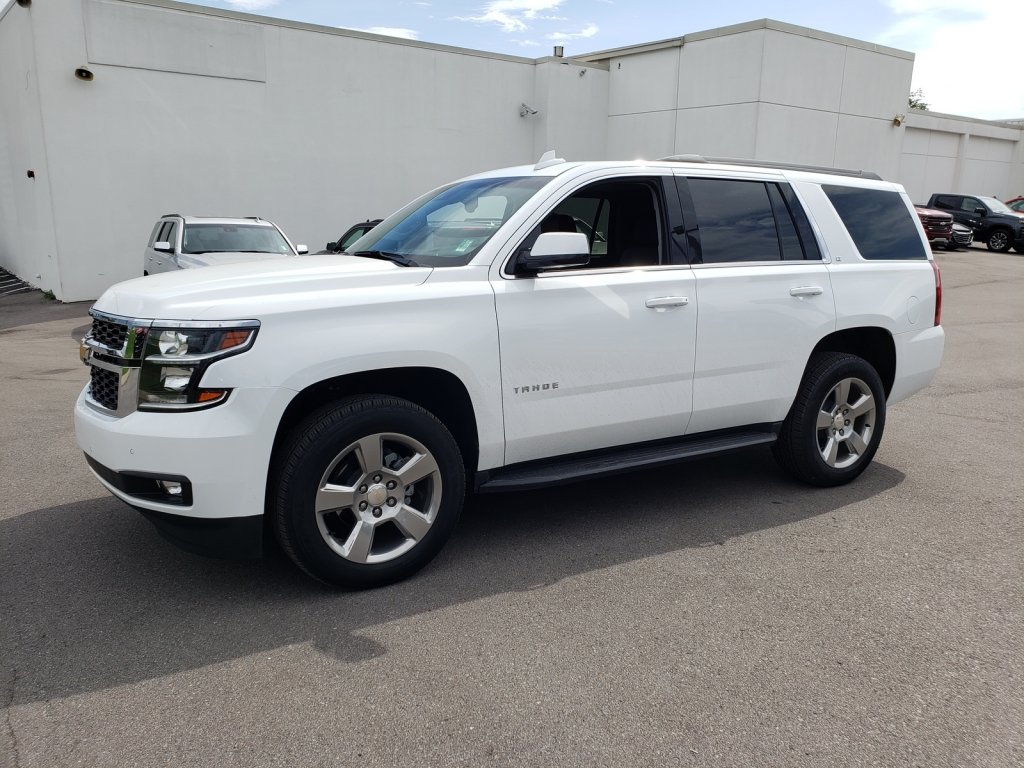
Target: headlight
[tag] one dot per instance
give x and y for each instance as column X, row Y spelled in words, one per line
column 176, row 358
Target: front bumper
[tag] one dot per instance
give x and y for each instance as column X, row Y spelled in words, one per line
column 222, row 453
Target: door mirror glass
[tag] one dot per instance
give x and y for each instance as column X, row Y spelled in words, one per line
column 556, row 250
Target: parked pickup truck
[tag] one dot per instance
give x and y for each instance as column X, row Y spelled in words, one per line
column 515, row 329
column 992, row 221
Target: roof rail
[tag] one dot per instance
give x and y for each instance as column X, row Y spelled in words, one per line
column 168, row 215
column 254, row 218
column 767, row 164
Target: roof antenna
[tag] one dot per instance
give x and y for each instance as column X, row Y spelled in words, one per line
column 548, row 159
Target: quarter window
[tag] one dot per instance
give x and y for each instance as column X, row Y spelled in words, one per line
column 879, row 222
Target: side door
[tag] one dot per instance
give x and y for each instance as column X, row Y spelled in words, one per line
column 969, row 207
column 151, row 256
column 598, row 355
column 764, row 293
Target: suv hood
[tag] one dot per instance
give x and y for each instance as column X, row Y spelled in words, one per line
column 250, row 289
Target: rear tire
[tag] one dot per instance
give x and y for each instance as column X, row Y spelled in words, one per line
column 836, row 422
column 367, row 491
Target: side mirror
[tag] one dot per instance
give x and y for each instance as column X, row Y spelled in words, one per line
column 163, row 246
column 331, row 247
column 302, row 249
column 980, row 211
column 556, row 250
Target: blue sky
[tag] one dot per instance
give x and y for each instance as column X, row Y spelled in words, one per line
column 961, row 47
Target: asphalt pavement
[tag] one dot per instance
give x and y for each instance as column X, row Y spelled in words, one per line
column 711, row 614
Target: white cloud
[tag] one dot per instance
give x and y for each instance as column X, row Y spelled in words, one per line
column 252, row 5
column 967, row 54
column 408, row 34
column 527, row 43
column 588, row 31
column 512, row 15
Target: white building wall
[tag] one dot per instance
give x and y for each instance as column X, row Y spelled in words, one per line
column 197, row 110
column 948, row 153
column 213, row 114
column 27, row 245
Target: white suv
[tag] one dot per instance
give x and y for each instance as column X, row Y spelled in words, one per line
column 518, row 328
column 183, row 242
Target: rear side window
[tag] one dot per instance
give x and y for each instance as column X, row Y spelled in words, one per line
column 878, row 221
column 749, row 221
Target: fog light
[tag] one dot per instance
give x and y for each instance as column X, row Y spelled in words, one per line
column 170, row 487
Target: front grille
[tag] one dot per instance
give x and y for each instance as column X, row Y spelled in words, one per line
column 103, row 385
column 109, row 334
column 963, row 238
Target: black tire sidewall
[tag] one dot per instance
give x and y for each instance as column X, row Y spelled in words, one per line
column 307, row 460
column 801, row 431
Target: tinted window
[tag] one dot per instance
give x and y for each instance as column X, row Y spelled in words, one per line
column 970, row 204
column 735, row 220
column 878, row 221
column 946, row 202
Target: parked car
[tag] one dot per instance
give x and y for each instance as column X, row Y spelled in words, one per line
column 992, row 222
column 185, row 242
column 962, row 237
column 1016, row 204
column 938, row 225
column 352, row 234
column 344, row 404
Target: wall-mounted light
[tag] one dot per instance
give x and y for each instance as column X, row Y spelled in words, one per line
column 526, row 109
column 898, row 120
column 84, row 73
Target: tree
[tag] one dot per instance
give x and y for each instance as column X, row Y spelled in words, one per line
column 916, row 100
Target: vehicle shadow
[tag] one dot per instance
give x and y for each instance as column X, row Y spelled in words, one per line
column 93, row 598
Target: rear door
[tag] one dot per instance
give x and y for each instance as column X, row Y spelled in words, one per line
column 764, row 297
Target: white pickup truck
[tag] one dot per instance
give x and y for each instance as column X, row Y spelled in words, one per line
column 515, row 329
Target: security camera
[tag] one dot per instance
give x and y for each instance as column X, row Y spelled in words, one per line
column 84, row 73
column 526, row 109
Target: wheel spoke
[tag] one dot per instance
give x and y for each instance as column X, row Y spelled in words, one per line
column 412, row 523
column 831, row 451
column 843, row 392
column 862, row 406
column 332, row 497
column 359, row 542
column 370, row 453
column 857, row 444
column 824, row 419
column 418, row 467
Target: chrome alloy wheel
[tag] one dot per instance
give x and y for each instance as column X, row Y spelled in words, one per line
column 999, row 241
column 378, row 498
column 846, row 422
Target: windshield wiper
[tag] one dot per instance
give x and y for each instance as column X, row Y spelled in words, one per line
column 397, row 258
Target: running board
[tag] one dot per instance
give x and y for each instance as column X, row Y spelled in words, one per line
column 566, row 469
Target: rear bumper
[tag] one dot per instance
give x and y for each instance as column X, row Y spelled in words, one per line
column 918, row 354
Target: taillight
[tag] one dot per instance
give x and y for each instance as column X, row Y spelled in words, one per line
column 938, row 293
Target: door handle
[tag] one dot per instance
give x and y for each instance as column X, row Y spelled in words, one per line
column 806, row 290
column 662, row 303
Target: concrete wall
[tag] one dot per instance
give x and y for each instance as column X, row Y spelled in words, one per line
column 27, row 244
column 215, row 114
column 947, row 153
column 761, row 90
column 196, row 110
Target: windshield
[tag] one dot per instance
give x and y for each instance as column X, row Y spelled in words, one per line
column 448, row 226
column 996, row 206
column 220, row 238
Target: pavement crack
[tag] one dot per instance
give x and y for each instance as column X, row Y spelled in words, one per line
column 8, row 703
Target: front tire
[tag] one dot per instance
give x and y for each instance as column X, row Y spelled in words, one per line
column 368, row 491
column 836, row 422
column 999, row 240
